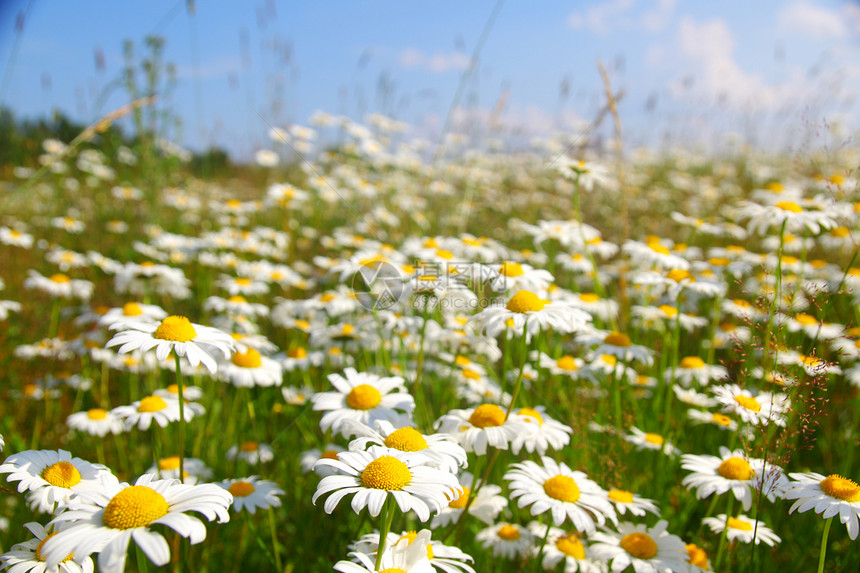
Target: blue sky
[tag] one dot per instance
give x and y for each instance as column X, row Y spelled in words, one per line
column 690, row 70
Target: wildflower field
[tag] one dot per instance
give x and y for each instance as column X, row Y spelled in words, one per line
column 382, row 357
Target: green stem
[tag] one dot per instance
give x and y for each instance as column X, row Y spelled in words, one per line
column 387, row 518
column 275, row 547
column 823, row 553
column 519, row 382
column 142, row 562
column 181, row 418
column 724, row 535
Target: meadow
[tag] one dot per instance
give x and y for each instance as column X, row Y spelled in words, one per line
column 480, row 359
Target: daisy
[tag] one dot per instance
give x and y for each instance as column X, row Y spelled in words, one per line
column 105, row 519
column 175, row 333
column 830, row 496
column 299, row 358
column 693, row 398
column 440, row 449
column 442, row 557
column 649, row 441
column 297, row 396
column 148, row 409
column 693, row 369
column 363, row 397
column 549, row 433
column 732, row 471
column 516, row 276
column 507, row 540
column 250, row 368
column 486, row 507
column 59, row 285
column 15, row 238
column 567, row 365
column 721, row 421
column 697, row 559
column 27, row 557
column 378, row 472
column 132, row 311
column 743, row 529
column 617, row 344
column 566, row 546
column 485, row 425
column 406, row 556
column 252, row 493
column 168, row 468
column 796, row 218
column 625, row 501
column 251, row 452
column 647, row 550
column 52, row 476
column 95, row 422
column 526, row 309
column 567, row 494
column 761, row 409
column 309, row 458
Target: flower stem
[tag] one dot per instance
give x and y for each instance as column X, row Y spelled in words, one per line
column 519, row 382
column 823, row 553
column 275, row 548
column 181, row 418
column 387, row 518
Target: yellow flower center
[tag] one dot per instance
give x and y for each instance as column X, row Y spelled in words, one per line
column 735, row 468
column 617, row 339
column 639, row 545
column 131, row 309
column 237, row 298
column 443, row 254
column 41, row 557
column 789, row 206
column 562, row 488
column 363, row 397
column 135, row 506
column 406, row 440
column 525, row 301
column 511, row 269
column 241, row 489
column 461, row 360
column 571, row 546
column 620, row 496
column 509, row 533
column 678, row 275
column 249, row 446
column 60, row 278
column 658, row 248
column 669, row 311
column 299, row 352
column 697, row 556
column 486, row 416
column 248, row 359
column 842, row 488
column 693, row 362
column 531, row 413
column 62, row 474
column 805, row 319
column 96, row 414
column 170, row 463
column 655, row 439
column 152, row 404
column 411, row 536
column 176, row 329
column 589, row 297
column 748, row 403
column 721, row 419
column 460, row 502
column 609, row 359
column 242, row 281
column 840, row 232
column 386, row 473
column 471, row 374
column 739, row 524
column 718, row 262
column 566, row 362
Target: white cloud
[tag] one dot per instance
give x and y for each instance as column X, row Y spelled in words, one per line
column 806, row 19
column 601, row 18
column 437, row 63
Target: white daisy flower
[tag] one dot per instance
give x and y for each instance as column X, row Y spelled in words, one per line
column 649, row 441
column 174, row 333
column 830, row 496
column 96, row 422
column 363, row 397
column 249, row 368
column 732, row 471
column 721, row 421
column 27, row 557
column 443, row 557
column 742, row 528
column 485, row 425
column 407, row 555
column 617, row 344
column 486, row 507
column 525, row 309
column 309, row 458
column 440, row 450
column 59, row 285
column 148, row 409
column 626, row 501
column 507, row 540
column 251, row 452
column 761, row 409
column 567, row 494
column 566, row 546
column 693, row 369
column 693, row 398
column 103, row 520
column 252, row 492
column 132, row 311
column 646, row 549
column 378, row 472
column 52, row 476
column 549, row 433
column 511, row 276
